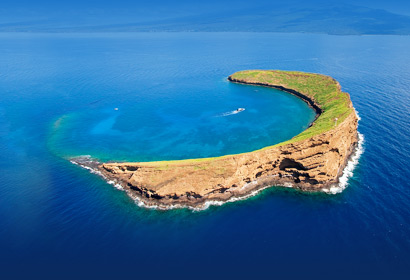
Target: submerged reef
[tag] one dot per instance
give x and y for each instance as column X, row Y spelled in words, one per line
column 313, row 160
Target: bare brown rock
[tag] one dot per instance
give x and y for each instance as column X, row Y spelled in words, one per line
column 310, row 164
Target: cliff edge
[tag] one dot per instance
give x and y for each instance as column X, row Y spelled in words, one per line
column 312, row 160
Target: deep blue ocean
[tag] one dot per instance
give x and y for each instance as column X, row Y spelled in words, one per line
column 155, row 96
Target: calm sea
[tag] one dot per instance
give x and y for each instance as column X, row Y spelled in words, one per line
column 152, row 96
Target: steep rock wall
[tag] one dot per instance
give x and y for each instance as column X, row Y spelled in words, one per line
column 310, row 164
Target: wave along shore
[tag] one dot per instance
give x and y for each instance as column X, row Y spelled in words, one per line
column 314, row 160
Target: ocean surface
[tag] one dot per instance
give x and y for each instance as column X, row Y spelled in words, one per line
column 160, row 96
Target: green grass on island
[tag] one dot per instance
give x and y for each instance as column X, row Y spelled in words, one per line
column 323, row 90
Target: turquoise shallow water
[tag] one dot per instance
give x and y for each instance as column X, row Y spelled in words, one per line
column 196, row 123
column 58, row 95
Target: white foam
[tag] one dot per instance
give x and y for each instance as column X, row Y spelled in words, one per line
column 209, row 203
column 350, row 166
column 202, row 207
column 230, row 113
column 343, row 183
column 288, row 185
column 115, row 184
column 95, row 171
column 248, row 185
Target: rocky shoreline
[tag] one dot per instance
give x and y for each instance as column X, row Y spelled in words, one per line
column 312, row 164
column 311, row 103
column 191, row 202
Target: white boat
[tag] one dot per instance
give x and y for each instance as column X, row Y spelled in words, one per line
column 239, row 110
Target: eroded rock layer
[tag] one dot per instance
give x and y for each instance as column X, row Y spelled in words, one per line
column 307, row 164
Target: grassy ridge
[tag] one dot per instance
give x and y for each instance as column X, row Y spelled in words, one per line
column 323, row 90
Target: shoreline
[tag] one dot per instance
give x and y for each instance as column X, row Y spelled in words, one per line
column 87, row 162
column 309, row 164
column 311, row 103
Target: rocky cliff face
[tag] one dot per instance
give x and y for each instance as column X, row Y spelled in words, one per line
column 310, row 164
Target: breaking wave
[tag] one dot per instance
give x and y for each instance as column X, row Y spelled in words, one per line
column 83, row 160
column 86, row 161
column 350, row 166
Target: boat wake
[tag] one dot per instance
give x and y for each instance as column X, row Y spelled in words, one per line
column 234, row 112
column 90, row 164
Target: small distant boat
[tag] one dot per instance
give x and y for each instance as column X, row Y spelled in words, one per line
column 116, row 109
column 232, row 112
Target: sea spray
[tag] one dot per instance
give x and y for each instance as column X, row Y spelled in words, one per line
column 350, row 166
column 90, row 164
column 348, row 170
column 86, row 160
column 343, row 183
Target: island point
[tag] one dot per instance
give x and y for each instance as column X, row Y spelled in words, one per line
column 313, row 160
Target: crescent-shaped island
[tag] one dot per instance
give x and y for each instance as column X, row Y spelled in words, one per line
column 313, row 160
